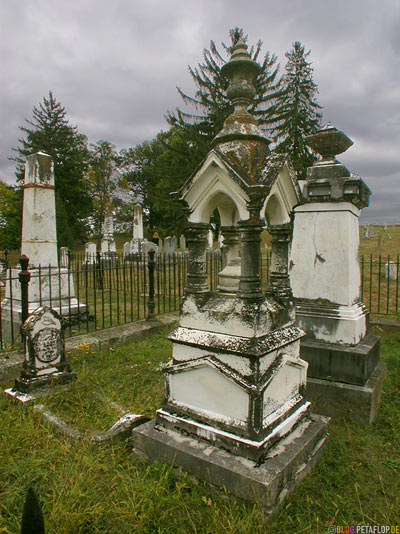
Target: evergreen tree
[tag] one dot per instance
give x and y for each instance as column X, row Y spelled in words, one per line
column 50, row 132
column 298, row 113
column 210, row 97
column 10, row 216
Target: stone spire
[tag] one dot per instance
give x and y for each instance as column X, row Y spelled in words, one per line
column 241, row 71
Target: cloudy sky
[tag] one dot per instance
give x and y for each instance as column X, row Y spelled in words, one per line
column 115, row 67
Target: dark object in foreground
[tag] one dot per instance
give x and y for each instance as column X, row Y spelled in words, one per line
column 32, row 517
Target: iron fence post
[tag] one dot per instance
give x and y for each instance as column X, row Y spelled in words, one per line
column 151, row 266
column 24, row 276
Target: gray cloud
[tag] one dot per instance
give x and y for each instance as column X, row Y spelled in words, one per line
column 115, row 66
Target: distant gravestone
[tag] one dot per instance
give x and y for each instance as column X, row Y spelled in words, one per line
column 90, row 252
column 182, row 243
column 127, row 249
column 148, row 245
column 64, row 257
column 170, row 245
column 45, row 361
column 365, row 232
column 391, row 270
column 371, row 231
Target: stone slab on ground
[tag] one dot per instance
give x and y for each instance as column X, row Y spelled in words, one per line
column 337, row 399
column 267, row 484
column 341, row 363
column 11, row 362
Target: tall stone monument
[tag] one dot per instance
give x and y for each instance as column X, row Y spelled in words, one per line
column 108, row 246
column 135, row 246
column 344, row 374
column 49, row 284
column 234, row 412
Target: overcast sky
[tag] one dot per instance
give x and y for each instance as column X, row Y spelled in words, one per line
column 114, row 65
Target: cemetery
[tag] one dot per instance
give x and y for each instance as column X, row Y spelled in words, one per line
column 270, row 402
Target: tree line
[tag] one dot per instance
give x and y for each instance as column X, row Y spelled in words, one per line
column 92, row 180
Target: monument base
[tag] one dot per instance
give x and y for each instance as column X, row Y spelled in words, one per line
column 338, row 399
column 287, row 463
column 352, row 364
column 28, row 385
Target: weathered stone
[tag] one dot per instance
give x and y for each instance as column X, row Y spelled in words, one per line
column 325, row 278
column 266, row 484
column 90, row 253
column 45, row 360
column 170, row 245
column 64, row 257
column 182, row 243
column 39, row 233
column 391, row 270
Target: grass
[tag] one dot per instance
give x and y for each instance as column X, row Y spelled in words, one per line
column 103, row 489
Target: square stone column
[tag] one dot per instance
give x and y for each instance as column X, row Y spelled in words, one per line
column 344, row 374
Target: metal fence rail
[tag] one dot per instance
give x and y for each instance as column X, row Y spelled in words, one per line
column 112, row 291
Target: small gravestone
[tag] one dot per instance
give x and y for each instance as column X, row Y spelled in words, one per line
column 127, row 249
column 90, row 252
column 148, row 245
column 391, row 270
column 45, row 362
column 182, row 243
column 169, row 245
column 64, row 257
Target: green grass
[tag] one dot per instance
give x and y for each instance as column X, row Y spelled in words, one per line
column 103, row 489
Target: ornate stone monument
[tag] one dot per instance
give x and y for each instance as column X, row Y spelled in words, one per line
column 234, row 412
column 49, row 284
column 344, row 374
column 108, row 247
column 45, row 360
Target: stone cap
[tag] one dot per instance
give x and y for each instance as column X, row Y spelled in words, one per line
column 39, row 169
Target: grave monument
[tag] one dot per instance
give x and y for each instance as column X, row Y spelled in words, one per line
column 49, row 284
column 234, row 412
column 45, row 360
column 135, row 245
column 344, row 374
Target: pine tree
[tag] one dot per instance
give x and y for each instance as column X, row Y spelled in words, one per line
column 50, row 132
column 210, row 97
column 298, row 113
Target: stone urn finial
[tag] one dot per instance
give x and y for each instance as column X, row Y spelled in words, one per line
column 328, row 142
column 241, row 71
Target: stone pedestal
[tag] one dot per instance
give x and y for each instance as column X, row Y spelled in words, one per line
column 266, row 484
column 325, row 279
column 52, row 287
column 49, row 285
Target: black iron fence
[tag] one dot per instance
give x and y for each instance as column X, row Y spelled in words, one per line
column 93, row 293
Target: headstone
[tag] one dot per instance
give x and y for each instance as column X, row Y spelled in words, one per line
column 127, row 249
column 45, row 360
column 182, row 243
column 90, row 252
column 365, row 232
column 371, row 230
column 137, row 221
column 210, row 239
column 385, row 227
column 107, row 241
column 391, row 270
column 220, row 240
column 170, row 245
column 64, row 252
column 148, row 245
